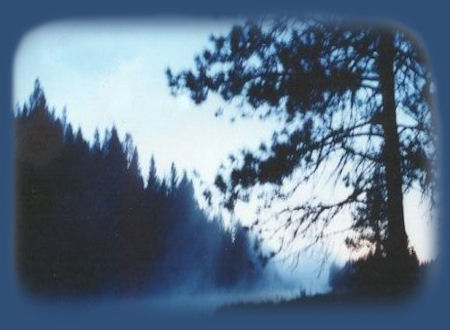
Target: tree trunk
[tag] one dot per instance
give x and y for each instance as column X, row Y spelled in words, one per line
column 397, row 242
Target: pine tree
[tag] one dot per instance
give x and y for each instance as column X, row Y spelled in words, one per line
column 355, row 99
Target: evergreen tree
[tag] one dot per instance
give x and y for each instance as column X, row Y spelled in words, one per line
column 153, row 181
column 85, row 225
column 173, row 180
column 355, row 99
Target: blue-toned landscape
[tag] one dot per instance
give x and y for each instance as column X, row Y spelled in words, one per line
column 223, row 165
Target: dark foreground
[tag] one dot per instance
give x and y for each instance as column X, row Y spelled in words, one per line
column 328, row 299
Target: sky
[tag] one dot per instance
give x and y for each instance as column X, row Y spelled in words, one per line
column 113, row 72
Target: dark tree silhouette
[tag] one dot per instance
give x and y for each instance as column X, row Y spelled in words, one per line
column 87, row 225
column 354, row 99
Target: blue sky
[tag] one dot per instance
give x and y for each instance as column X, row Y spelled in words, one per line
column 107, row 74
column 112, row 72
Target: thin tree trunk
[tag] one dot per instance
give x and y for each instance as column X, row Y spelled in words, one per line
column 397, row 243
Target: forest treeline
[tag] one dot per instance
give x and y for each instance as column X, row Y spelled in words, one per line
column 87, row 224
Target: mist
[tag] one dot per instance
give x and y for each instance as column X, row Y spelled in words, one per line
column 89, row 227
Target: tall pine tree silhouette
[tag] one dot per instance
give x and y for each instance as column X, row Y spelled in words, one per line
column 355, row 99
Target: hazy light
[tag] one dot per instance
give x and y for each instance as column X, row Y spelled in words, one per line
column 108, row 73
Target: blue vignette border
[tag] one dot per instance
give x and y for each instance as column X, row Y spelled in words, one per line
column 427, row 19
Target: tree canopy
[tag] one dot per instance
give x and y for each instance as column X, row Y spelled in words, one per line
column 354, row 99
